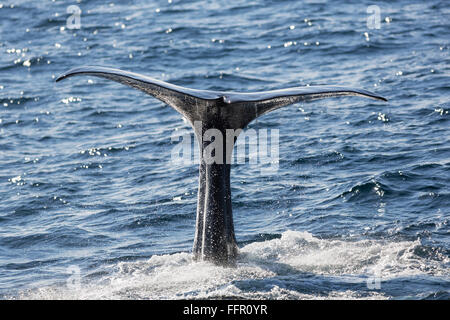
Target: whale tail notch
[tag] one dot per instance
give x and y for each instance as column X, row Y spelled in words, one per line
column 241, row 107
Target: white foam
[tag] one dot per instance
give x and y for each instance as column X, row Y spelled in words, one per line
column 257, row 275
column 387, row 259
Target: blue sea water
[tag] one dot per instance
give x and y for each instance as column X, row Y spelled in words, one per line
column 92, row 207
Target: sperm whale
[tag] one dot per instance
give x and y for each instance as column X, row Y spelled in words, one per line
column 214, row 238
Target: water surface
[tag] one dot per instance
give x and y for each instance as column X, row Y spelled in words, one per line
column 93, row 208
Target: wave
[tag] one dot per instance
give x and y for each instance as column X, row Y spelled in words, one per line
column 295, row 266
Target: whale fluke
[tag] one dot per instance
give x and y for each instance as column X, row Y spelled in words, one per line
column 214, row 236
column 184, row 100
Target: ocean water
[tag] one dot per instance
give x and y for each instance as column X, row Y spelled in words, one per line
column 92, row 207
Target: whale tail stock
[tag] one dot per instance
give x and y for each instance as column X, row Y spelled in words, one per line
column 214, row 236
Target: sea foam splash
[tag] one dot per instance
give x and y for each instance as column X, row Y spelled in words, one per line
column 265, row 270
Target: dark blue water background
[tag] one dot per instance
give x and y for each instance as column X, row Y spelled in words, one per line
column 92, row 207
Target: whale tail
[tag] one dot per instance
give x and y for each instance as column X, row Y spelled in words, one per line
column 214, row 236
column 241, row 108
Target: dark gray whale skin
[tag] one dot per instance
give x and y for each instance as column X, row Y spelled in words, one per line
column 215, row 239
